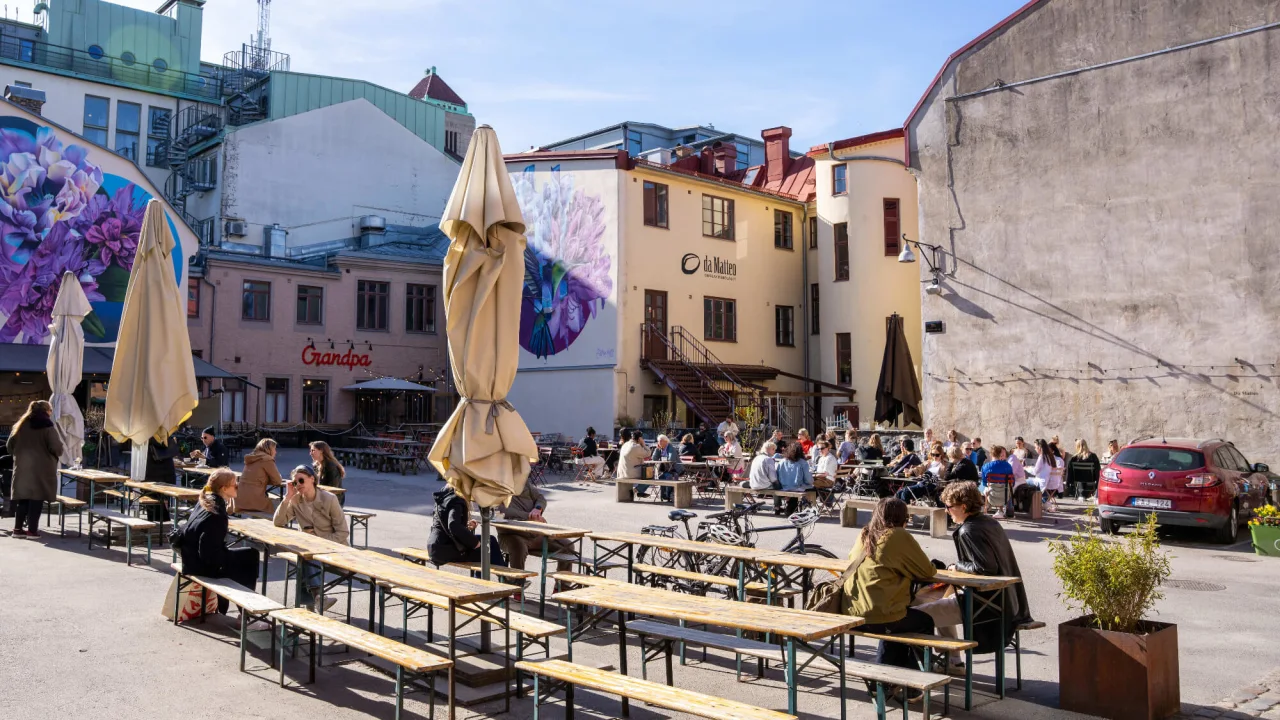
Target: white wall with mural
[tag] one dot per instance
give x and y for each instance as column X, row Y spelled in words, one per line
column 569, row 312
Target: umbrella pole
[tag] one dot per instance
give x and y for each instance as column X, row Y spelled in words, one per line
column 486, row 514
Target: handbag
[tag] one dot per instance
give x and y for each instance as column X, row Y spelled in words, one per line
column 828, row 597
column 189, row 606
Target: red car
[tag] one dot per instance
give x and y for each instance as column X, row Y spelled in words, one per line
column 1192, row 483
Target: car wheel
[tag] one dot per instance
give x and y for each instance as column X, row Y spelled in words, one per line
column 1229, row 533
column 1110, row 527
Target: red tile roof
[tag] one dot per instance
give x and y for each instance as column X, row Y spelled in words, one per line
column 797, row 182
column 433, row 86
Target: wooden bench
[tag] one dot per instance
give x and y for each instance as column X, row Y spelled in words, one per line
column 937, row 516
column 920, row 641
column 889, row 675
column 734, row 494
column 130, row 524
column 407, row 659
column 683, row 490
column 358, row 518
column 642, row 569
column 252, row 605
column 567, row 675
column 669, row 635
column 1017, row 646
column 66, row 504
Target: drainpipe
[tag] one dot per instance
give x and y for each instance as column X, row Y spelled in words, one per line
column 804, row 294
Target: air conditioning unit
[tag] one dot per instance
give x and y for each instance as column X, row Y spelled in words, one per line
column 236, row 227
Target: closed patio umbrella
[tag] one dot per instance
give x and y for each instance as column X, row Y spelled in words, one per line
column 898, row 392
column 484, row 449
column 153, row 382
column 65, row 366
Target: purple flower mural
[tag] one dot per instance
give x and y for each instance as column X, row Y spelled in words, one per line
column 58, row 213
column 566, row 266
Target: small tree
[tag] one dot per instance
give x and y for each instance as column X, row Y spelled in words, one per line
column 1117, row 582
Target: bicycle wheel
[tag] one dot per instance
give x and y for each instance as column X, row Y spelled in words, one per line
column 656, row 556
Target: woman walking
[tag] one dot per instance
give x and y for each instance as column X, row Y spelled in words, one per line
column 203, row 543
column 329, row 472
column 35, row 446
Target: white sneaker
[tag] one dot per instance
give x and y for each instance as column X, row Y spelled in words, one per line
column 999, row 515
column 328, row 603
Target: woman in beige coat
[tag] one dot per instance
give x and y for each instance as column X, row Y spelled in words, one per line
column 318, row 513
column 260, row 472
column 35, row 446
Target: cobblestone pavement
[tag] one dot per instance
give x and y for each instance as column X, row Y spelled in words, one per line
column 1258, row 700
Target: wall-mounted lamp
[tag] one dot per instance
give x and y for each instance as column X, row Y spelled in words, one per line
column 330, row 343
column 934, row 262
column 311, row 344
column 351, row 347
column 369, row 344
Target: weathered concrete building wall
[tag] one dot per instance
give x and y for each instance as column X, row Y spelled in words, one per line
column 1116, row 227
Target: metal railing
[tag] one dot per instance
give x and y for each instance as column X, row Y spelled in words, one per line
column 652, row 333
column 698, row 353
column 249, row 65
column 153, row 75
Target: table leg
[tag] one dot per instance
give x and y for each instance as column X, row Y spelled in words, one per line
column 1000, row 659
column 266, row 557
column 791, row 676
column 622, row 657
column 568, row 635
column 453, row 654
column 542, row 581
column 844, row 711
column 968, row 654
column 742, row 581
column 297, row 581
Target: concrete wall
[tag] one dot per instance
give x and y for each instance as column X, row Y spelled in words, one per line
column 878, row 284
column 1116, row 228
column 317, row 172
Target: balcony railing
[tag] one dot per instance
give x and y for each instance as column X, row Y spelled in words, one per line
column 109, row 69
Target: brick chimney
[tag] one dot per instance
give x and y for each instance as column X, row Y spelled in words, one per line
column 27, row 98
column 708, row 162
column 726, row 157
column 777, row 153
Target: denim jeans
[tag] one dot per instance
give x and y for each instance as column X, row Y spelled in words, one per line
column 312, row 578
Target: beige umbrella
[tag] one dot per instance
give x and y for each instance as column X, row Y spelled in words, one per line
column 484, row 449
column 65, row 366
column 153, row 380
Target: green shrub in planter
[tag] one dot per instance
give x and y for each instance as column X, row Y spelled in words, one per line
column 1116, row 582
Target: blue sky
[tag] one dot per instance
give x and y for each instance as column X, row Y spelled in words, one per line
column 540, row 70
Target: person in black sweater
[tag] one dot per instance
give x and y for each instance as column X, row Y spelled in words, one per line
column 453, row 537
column 203, row 540
column 591, row 453
column 160, row 469
column 215, row 453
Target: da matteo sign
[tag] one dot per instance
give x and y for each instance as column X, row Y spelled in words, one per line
column 349, row 359
column 711, row 266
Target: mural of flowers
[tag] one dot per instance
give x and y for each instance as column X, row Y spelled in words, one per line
column 60, row 212
column 566, row 267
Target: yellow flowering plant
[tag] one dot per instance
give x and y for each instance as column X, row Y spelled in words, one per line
column 1268, row 515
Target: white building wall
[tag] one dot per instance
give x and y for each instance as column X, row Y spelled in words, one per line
column 318, row 172
column 566, row 400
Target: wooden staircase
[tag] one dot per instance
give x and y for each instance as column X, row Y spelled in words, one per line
column 710, row 388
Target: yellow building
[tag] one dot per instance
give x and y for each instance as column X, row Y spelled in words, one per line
column 669, row 291
column 864, row 201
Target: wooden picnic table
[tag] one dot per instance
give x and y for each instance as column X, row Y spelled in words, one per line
column 91, row 477
column 626, row 541
column 798, row 627
column 175, row 494
column 547, row 532
column 977, row 583
column 481, row 597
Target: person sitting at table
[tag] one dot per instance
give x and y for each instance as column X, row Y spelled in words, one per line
column 873, row 450
column 848, row 448
column 997, row 482
column 160, row 469
column 960, row 469
column 982, row 548
column 726, row 427
column 827, row 463
column 888, row 560
column 690, row 448
column 906, row 459
column 329, row 472
column 215, row 453
column 260, row 473
column 930, row 478
column 318, row 513
column 803, row 439
column 708, row 442
column 793, row 476
column 670, row 469
column 631, row 456
column 453, row 537
column 763, row 474
column 202, row 543
column 529, row 506
column 591, row 453
column 732, row 452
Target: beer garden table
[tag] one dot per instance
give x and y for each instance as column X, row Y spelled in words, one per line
column 547, row 532
column 91, row 477
column 798, row 627
column 625, row 542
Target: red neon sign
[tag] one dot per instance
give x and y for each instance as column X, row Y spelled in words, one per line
column 349, row 359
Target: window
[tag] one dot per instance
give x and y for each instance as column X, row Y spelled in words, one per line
column 717, row 217
column 19, row 83
column 839, row 183
column 782, row 229
column 1160, row 459
column 813, row 309
column 157, row 135
column 719, row 319
column 744, row 155
column 655, row 204
column 160, row 65
column 892, row 227
column 97, row 110
column 844, row 359
column 128, row 124
column 315, row 401
column 310, row 305
column 420, row 308
column 842, row 250
column 635, row 142
column 233, row 405
column 26, row 53
column 257, row 301
column 784, row 317
column 371, row 305
column 451, row 141
column 813, row 233
column 193, row 297
column 128, row 58
column 654, row 407
column 277, row 400
column 96, row 52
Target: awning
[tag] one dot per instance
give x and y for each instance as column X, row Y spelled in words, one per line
column 388, row 384
column 97, row 361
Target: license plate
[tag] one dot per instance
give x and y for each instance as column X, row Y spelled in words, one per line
column 1153, row 503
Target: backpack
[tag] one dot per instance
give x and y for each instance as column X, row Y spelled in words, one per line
column 828, row 597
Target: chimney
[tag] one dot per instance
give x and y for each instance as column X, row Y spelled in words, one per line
column 777, row 153
column 707, row 156
column 726, row 156
column 27, row 98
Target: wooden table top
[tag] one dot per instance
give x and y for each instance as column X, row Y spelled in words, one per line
column 977, row 582
column 837, row 566
column 164, row 489
column 547, row 530
column 88, row 474
column 402, row 573
column 652, row 602
column 288, row 539
column 694, row 546
column 206, row 470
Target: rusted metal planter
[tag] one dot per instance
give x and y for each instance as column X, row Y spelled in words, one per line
column 1122, row 676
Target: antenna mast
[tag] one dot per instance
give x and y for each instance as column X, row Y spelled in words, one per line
column 264, row 25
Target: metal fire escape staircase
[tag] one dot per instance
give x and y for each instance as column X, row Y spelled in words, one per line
column 190, row 173
column 696, row 376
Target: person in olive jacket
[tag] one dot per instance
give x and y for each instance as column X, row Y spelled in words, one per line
column 203, row 540
column 35, row 445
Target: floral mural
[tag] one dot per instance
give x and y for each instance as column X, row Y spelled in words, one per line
column 60, row 212
column 566, row 265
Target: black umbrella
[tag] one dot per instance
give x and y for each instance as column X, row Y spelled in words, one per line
column 898, row 392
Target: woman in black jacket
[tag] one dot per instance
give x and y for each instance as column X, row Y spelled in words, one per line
column 203, row 543
column 453, row 537
column 160, row 469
